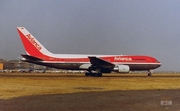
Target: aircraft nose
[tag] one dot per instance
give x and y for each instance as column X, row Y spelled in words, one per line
column 158, row 63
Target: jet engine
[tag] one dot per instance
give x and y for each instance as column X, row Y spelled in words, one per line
column 122, row 68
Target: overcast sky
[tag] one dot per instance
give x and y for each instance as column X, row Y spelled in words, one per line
column 129, row 27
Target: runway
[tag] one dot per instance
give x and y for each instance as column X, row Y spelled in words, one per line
column 36, row 91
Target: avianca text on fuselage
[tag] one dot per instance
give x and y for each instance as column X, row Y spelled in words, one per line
column 32, row 40
column 94, row 65
column 119, row 58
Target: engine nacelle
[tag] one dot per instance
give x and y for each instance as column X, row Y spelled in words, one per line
column 122, row 68
column 85, row 66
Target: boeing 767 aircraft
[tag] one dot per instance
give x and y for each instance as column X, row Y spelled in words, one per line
column 94, row 65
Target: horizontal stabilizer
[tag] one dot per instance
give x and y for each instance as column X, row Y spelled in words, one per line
column 31, row 57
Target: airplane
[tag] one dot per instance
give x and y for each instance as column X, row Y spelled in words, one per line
column 94, row 65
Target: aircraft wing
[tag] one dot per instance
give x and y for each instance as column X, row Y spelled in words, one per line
column 98, row 62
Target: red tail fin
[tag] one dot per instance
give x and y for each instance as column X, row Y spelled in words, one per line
column 32, row 46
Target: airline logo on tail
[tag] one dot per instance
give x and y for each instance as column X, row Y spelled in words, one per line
column 33, row 41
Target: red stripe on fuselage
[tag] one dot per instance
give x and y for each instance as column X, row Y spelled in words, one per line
column 112, row 59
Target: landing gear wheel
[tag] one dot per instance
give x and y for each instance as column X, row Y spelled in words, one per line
column 93, row 74
column 99, row 74
column 149, row 74
column 87, row 74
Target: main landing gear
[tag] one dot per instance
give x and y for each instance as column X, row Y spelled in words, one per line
column 93, row 74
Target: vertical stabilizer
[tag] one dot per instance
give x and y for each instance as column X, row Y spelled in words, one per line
column 32, row 46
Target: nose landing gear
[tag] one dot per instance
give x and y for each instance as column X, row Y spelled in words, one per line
column 150, row 72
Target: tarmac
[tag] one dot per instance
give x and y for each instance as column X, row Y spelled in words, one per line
column 99, row 100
